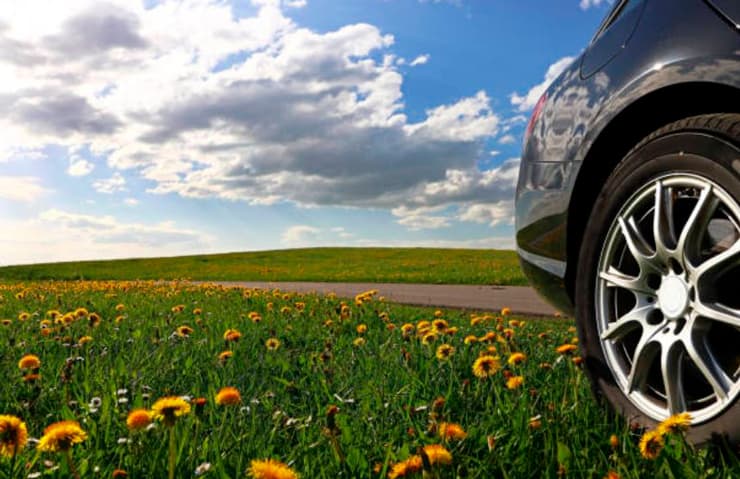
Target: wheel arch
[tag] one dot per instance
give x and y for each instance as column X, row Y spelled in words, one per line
column 640, row 118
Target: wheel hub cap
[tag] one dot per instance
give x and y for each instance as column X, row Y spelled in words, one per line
column 673, row 297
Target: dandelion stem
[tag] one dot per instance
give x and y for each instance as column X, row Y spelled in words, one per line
column 172, row 453
column 71, row 464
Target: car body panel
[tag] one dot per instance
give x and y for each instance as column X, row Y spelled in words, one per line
column 730, row 9
column 675, row 42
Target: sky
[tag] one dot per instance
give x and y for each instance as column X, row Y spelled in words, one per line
column 160, row 128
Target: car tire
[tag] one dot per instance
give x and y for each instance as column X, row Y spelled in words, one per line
column 680, row 322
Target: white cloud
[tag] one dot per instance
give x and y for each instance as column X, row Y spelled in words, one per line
column 114, row 184
column 23, row 189
column 57, row 235
column 461, row 190
column 202, row 104
column 296, row 3
column 300, row 235
column 494, row 152
column 420, row 60
column 341, row 232
column 507, row 140
column 422, row 217
column 527, row 101
column 491, row 213
column 586, row 4
column 131, row 202
column 79, row 166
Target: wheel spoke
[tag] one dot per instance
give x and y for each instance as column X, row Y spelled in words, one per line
column 634, row 319
column 663, row 222
column 721, row 261
column 706, row 363
column 637, row 244
column 616, row 278
column 643, row 358
column 691, row 233
column 671, row 367
column 718, row 312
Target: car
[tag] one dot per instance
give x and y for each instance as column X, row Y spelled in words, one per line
column 628, row 210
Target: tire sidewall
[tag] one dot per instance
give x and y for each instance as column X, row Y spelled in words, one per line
column 697, row 153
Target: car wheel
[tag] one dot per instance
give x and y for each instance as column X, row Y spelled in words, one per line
column 658, row 281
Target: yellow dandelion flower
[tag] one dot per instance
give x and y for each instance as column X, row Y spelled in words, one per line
column 535, row 422
column 358, row 342
column 452, row 431
column 423, row 325
column 361, row 328
column 486, row 366
column 61, row 436
column 270, row 469
column 184, row 331
column 444, row 352
column 566, row 348
column 6, row 322
column 429, row 338
column 614, row 441
column 119, row 473
column 120, row 307
column 514, row 382
column 29, row 361
column 440, row 324
column 505, row 311
column 84, row 340
column 516, row 358
column 470, row 339
column 272, row 344
column 228, row 396
column 223, row 356
column 285, row 310
column 675, row 424
column 168, row 409
column 13, row 435
column 611, row 475
column 23, row 316
column 197, row 311
column 488, row 337
column 31, row 378
column 407, row 329
column 406, row 468
column 437, row 454
column 232, row 335
column 138, row 419
column 438, row 314
column 93, row 320
column 651, row 444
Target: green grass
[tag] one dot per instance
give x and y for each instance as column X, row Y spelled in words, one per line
column 403, row 265
column 387, row 390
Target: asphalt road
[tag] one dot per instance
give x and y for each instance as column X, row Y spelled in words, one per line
column 521, row 299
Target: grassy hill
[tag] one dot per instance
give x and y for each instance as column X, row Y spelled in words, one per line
column 403, row 265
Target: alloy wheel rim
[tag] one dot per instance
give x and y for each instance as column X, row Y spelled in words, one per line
column 668, row 321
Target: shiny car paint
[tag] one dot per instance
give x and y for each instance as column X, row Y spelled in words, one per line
column 657, row 47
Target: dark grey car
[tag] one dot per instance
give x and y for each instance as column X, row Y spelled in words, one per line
column 628, row 209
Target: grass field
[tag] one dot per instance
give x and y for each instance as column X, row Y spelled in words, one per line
column 356, row 389
column 403, row 265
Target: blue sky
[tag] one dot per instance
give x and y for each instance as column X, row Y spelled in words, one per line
column 190, row 126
